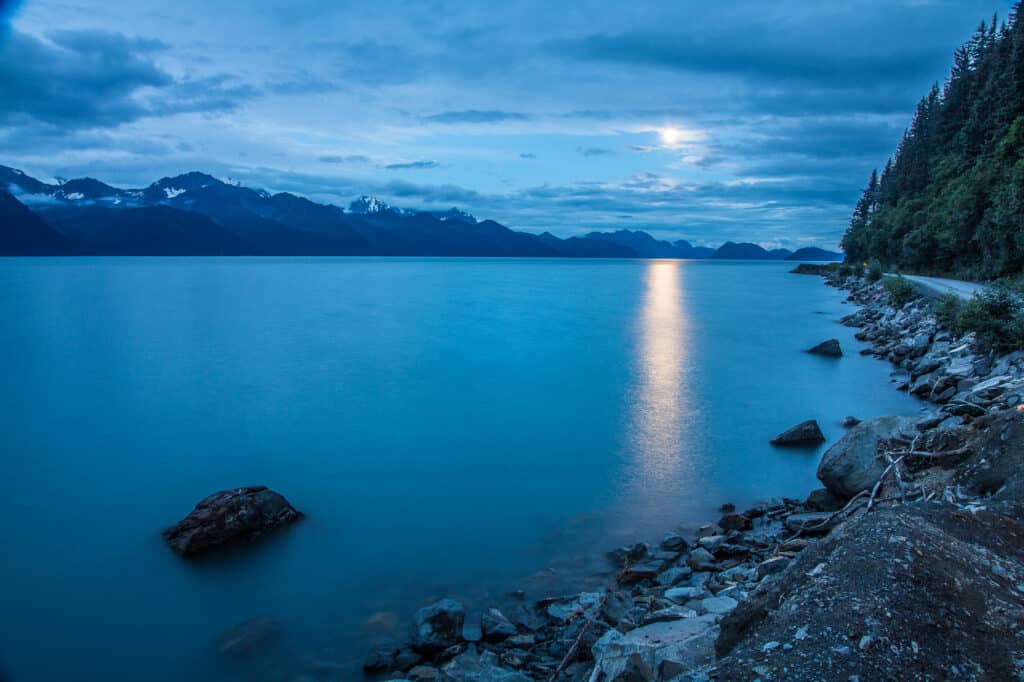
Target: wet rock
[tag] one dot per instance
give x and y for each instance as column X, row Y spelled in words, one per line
column 439, row 626
column 828, row 348
column 635, row 669
column 247, row 638
column 770, row 566
column 567, row 609
column 852, row 464
column 229, row 517
column 736, row 522
column 616, row 608
column 628, row 554
column 849, row 422
column 423, row 673
column 804, row 433
column 673, row 542
column 647, row 570
column 471, row 666
column 495, row 627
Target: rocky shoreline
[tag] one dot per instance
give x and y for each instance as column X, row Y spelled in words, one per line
column 908, row 564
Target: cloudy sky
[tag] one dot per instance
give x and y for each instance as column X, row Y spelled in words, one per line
column 742, row 120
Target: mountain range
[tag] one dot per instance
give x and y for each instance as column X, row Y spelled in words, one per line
column 199, row 215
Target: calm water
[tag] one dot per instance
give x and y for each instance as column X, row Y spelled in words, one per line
column 451, row 426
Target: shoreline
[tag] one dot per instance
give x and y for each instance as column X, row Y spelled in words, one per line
column 689, row 608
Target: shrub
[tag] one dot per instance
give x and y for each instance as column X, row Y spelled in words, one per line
column 947, row 308
column 900, row 291
column 996, row 316
column 874, row 272
column 848, row 270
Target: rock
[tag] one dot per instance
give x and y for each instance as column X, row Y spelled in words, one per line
column 811, row 523
column 471, row 666
column 991, row 388
column 802, row 434
column 849, row 422
column 635, row 669
column 423, row 673
column 617, row 607
column 772, row 565
column 852, row 465
column 828, row 348
column 648, row 570
column 439, row 626
column 700, row 559
column 673, row 542
column 568, row 609
column 706, row 530
column 718, row 605
column 736, row 522
column 688, row 641
column 495, row 627
column 671, row 576
column 248, row 637
column 628, row 554
column 712, row 543
column 670, row 670
column 230, row 517
column 681, row 595
column 823, row 499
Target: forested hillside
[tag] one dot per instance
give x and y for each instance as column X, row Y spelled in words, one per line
column 951, row 200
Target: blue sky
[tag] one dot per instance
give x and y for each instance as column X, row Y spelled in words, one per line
column 745, row 121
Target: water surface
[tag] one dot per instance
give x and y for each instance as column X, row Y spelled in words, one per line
column 450, row 426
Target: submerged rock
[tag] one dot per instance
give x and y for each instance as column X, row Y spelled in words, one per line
column 802, row 434
column 439, row 626
column 828, row 348
column 230, row 517
column 852, row 465
column 247, row 638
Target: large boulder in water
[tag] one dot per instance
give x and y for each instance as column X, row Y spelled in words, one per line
column 852, row 465
column 230, row 517
column 804, row 433
column 828, row 348
column 439, row 626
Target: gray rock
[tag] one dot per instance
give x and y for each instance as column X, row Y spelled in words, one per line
column 736, row 522
column 567, row 609
column 823, row 499
column 718, row 605
column 828, row 348
column 495, row 627
column 688, row 641
column 648, row 570
column 849, row 422
column 681, row 595
column 439, row 626
column 673, row 542
column 471, row 666
column 673, row 575
column 772, row 565
column 810, row 523
column 229, row 517
column 804, row 433
column 852, row 465
column 700, row 560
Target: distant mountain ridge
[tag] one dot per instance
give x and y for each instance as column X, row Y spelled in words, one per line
column 198, row 214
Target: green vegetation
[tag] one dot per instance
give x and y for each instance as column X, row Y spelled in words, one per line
column 996, row 316
column 900, row 291
column 874, row 272
column 951, row 201
column 947, row 309
column 849, row 270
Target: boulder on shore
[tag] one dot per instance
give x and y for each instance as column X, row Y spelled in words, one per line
column 852, row 465
column 235, row 516
column 803, row 433
column 828, row 348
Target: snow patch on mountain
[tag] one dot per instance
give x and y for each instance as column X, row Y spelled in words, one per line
column 172, row 192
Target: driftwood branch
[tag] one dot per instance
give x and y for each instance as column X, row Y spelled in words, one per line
column 571, row 653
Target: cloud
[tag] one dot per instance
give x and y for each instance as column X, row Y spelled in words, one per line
column 752, row 57
column 91, row 79
column 595, row 151
column 476, row 116
column 411, row 165
column 343, row 158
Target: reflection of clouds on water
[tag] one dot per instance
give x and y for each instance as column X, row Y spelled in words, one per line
column 658, row 422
